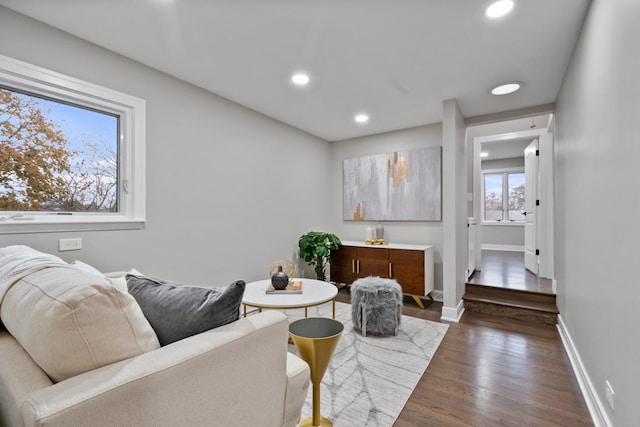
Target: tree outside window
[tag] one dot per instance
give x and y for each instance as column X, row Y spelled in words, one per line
column 515, row 204
column 56, row 156
column 498, row 208
column 493, row 205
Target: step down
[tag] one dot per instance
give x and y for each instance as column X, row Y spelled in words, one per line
column 532, row 307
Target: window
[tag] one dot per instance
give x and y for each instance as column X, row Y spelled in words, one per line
column 503, row 196
column 71, row 152
column 56, row 157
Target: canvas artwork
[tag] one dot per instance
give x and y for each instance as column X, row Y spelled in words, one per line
column 396, row 186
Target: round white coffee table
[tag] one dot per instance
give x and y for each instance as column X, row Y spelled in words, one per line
column 314, row 292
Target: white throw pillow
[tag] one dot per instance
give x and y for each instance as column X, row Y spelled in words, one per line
column 119, row 279
column 72, row 321
column 116, row 278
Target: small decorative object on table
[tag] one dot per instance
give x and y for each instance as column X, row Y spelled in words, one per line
column 370, row 234
column 375, row 236
column 279, row 280
column 293, row 287
column 375, row 242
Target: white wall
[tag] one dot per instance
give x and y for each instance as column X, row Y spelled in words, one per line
column 454, row 223
column 228, row 190
column 502, row 237
column 429, row 233
column 514, row 162
column 597, row 151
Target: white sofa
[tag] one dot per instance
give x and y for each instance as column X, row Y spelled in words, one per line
column 239, row 374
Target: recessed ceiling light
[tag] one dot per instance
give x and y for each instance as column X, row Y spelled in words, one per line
column 361, row 118
column 300, row 79
column 484, row 154
column 507, row 88
column 499, row 8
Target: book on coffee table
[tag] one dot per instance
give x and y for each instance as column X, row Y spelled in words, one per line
column 294, row 287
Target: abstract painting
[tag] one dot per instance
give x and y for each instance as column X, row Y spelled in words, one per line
column 396, row 186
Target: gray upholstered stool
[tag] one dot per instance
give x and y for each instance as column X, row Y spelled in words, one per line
column 376, row 305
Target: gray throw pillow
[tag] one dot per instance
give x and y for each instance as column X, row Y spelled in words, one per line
column 177, row 312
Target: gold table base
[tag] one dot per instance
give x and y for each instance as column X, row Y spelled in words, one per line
column 308, row 422
column 316, row 339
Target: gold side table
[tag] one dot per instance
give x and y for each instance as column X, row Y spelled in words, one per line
column 316, row 339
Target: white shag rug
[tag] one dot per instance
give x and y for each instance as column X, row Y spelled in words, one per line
column 370, row 379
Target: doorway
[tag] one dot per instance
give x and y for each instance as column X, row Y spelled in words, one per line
column 514, row 239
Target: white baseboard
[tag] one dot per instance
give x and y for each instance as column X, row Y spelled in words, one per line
column 554, row 286
column 592, row 399
column 510, row 248
column 437, row 295
column 453, row 314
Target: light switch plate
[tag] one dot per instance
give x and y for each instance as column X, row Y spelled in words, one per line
column 70, row 244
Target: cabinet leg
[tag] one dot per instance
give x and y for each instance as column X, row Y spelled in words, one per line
column 419, row 301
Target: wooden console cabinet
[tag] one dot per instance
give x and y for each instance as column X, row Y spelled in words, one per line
column 410, row 265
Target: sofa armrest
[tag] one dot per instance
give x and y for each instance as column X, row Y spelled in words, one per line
column 232, row 375
column 19, row 376
column 298, row 376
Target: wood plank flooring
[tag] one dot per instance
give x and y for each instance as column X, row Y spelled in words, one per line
column 493, row 371
column 505, row 269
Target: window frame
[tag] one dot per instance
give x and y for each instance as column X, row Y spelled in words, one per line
column 21, row 76
column 505, row 196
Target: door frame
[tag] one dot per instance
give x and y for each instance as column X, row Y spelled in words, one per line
column 545, row 191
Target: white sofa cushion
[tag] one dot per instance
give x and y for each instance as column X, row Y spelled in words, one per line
column 71, row 321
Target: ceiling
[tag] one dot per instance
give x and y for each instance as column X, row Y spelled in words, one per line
column 395, row 60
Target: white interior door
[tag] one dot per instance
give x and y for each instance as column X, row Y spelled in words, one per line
column 531, row 210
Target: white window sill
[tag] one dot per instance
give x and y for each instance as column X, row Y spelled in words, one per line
column 42, row 224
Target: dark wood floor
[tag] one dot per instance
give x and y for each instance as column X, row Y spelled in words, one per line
column 505, row 269
column 491, row 371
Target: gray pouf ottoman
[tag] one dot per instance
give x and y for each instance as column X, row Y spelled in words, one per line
column 376, row 305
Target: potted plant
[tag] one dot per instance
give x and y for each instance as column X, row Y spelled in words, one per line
column 315, row 248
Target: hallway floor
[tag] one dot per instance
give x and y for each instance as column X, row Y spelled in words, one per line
column 493, row 371
column 505, row 269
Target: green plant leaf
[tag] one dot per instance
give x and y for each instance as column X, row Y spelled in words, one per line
column 315, row 247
